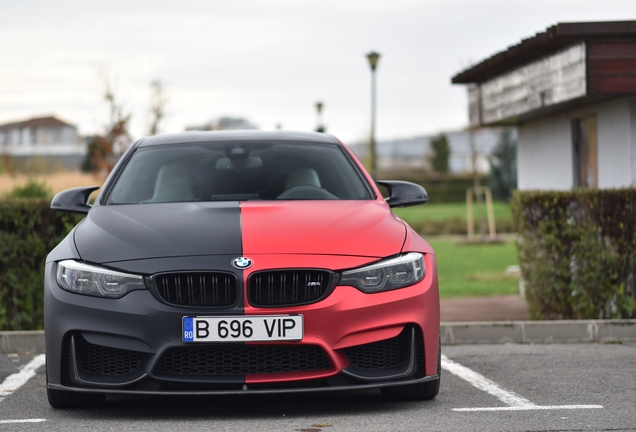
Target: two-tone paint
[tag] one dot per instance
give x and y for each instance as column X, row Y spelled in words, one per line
column 205, row 236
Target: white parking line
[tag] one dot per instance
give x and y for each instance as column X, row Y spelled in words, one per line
column 17, row 380
column 22, row 421
column 484, row 384
column 513, row 400
column 531, row 408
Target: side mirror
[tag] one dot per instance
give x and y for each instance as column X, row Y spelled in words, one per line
column 73, row 200
column 404, row 194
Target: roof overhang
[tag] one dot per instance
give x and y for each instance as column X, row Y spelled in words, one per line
column 554, row 39
column 569, row 65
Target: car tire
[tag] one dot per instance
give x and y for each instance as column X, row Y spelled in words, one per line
column 420, row 391
column 62, row 399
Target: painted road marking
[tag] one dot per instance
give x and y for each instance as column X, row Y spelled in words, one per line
column 532, row 408
column 22, row 421
column 17, row 380
column 513, row 400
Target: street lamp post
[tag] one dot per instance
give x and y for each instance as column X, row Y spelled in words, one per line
column 373, row 62
column 319, row 126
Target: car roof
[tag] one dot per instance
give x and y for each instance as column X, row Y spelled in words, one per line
column 236, row 135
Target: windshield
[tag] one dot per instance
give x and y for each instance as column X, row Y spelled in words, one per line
column 238, row 171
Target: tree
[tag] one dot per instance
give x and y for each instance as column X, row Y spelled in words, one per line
column 441, row 153
column 503, row 166
column 158, row 101
column 105, row 150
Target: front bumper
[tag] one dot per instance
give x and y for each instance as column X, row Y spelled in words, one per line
column 134, row 344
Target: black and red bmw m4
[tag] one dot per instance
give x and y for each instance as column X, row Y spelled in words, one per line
column 240, row 262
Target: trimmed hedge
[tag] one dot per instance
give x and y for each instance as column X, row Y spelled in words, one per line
column 577, row 251
column 29, row 230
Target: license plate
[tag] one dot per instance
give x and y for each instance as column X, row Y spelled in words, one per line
column 253, row 328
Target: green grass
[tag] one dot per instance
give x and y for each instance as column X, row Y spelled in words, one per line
column 475, row 270
column 467, row 270
column 441, row 211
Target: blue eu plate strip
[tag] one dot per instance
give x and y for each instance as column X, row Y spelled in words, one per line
column 188, row 329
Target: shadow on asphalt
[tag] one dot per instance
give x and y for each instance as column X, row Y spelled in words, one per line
column 247, row 406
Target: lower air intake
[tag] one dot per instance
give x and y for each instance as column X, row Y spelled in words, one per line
column 379, row 355
column 242, row 359
column 101, row 360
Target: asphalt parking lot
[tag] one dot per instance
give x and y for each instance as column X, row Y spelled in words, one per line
column 504, row 387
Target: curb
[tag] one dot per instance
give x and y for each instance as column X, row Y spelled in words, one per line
column 453, row 333
column 24, row 342
column 539, row 332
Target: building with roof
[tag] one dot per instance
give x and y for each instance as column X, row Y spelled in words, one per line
column 224, row 123
column 44, row 137
column 571, row 92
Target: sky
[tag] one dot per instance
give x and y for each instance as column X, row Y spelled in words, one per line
column 266, row 61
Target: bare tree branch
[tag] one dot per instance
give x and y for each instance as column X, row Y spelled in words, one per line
column 158, row 102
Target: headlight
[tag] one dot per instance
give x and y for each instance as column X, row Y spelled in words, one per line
column 390, row 274
column 96, row 281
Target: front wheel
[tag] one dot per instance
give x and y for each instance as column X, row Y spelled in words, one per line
column 420, row 391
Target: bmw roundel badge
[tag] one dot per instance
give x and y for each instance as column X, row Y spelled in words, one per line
column 242, row 263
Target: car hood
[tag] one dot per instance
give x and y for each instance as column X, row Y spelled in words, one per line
column 360, row 228
column 141, row 231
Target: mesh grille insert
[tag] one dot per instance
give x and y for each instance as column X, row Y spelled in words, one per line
column 288, row 287
column 198, row 289
column 101, row 360
column 242, row 359
column 379, row 355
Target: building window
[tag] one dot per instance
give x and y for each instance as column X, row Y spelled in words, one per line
column 585, row 151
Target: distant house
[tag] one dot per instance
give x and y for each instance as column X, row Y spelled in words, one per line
column 46, row 137
column 224, row 123
column 571, row 92
column 415, row 152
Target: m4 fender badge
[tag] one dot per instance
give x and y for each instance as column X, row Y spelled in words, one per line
column 242, row 263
